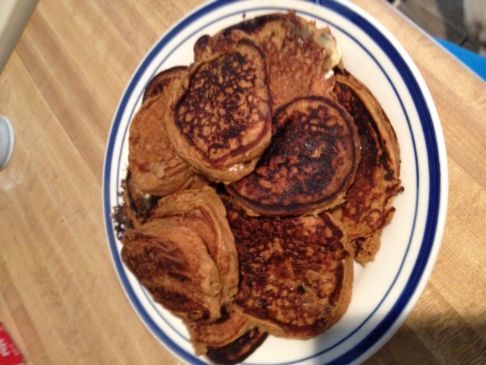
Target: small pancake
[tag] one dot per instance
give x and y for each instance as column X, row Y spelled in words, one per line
column 369, row 200
column 300, row 56
column 162, row 81
column 202, row 211
column 310, row 164
column 185, row 255
column 156, row 169
column 295, row 272
column 173, row 263
column 222, row 123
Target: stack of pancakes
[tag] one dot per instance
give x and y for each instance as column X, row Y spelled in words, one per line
column 256, row 176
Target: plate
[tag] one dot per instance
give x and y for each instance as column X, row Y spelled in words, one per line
column 385, row 291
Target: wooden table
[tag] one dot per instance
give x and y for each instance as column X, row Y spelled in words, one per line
column 59, row 295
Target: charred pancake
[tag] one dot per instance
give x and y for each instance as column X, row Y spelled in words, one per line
column 155, row 168
column 222, row 123
column 238, row 350
column 310, row 164
column 202, row 211
column 300, row 56
column 295, row 272
column 369, row 200
column 162, row 80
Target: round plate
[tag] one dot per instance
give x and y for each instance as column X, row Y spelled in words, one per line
column 385, row 291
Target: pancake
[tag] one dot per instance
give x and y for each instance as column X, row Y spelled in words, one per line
column 222, row 122
column 310, row 164
column 155, row 167
column 369, row 200
column 202, row 211
column 300, row 56
column 173, row 263
column 295, row 272
column 162, row 80
column 185, row 255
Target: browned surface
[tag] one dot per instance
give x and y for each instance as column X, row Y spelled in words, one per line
column 293, row 271
column 173, row 263
column 222, row 122
column 298, row 53
column 310, row 164
column 368, row 207
column 239, row 349
column 202, row 211
column 155, row 167
column 194, row 271
column 60, row 298
column 220, row 333
column 162, row 80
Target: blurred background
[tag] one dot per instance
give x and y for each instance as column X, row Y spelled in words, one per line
column 450, row 23
column 443, row 19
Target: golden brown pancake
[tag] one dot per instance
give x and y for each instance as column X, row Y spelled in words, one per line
column 202, row 211
column 300, row 56
column 162, row 80
column 369, row 200
column 185, row 255
column 295, row 272
column 173, row 263
column 222, row 123
column 310, row 164
column 156, row 169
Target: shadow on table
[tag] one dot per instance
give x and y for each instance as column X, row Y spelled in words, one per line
column 444, row 339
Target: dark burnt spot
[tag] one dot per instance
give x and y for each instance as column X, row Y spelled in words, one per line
column 121, row 221
column 252, row 25
column 238, row 350
column 142, row 204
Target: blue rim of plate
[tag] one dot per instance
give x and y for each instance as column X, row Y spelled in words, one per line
column 434, row 167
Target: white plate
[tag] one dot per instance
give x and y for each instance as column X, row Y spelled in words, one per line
column 384, row 292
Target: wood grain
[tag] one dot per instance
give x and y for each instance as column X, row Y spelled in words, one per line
column 59, row 295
